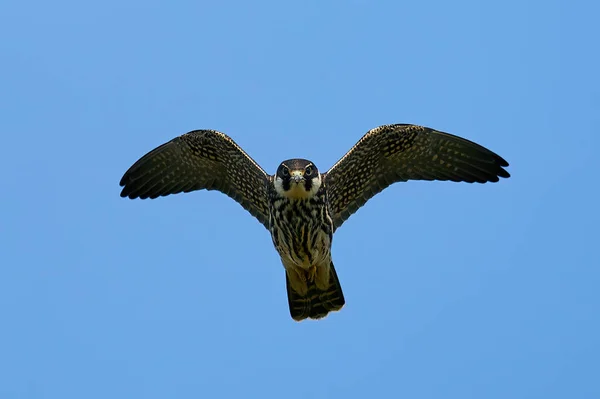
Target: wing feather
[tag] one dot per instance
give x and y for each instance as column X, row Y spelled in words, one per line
column 402, row 152
column 201, row 159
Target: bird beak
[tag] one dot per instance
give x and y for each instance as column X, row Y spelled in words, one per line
column 297, row 177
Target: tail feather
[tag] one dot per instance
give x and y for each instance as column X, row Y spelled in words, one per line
column 317, row 303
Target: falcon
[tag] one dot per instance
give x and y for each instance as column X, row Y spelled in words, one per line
column 302, row 207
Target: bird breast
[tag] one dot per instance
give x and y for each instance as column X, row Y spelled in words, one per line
column 300, row 232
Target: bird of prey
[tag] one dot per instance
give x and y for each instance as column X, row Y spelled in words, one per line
column 302, row 207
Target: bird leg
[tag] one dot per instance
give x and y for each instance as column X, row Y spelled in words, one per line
column 312, row 273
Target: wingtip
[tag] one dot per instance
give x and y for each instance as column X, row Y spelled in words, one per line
column 124, row 194
column 504, row 174
column 502, row 162
column 123, row 183
column 124, row 179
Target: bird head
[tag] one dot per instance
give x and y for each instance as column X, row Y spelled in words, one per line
column 297, row 179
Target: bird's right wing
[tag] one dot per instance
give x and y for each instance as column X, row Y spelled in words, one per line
column 401, row 152
column 201, row 159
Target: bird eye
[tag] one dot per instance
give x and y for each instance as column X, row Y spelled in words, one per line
column 285, row 171
column 308, row 170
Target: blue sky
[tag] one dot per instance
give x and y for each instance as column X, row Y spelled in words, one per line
column 452, row 290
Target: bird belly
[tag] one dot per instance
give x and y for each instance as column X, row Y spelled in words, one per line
column 301, row 233
column 303, row 247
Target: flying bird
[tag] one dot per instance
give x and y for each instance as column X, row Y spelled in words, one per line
column 302, row 207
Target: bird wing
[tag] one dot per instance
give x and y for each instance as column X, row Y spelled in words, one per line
column 402, row 152
column 201, row 159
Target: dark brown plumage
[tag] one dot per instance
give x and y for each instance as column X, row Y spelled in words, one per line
column 201, row 159
column 301, row 207
column 396, row 153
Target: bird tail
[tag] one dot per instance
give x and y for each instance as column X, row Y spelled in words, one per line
column 317, row 303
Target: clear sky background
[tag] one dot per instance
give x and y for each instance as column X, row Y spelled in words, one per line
column 453, row 290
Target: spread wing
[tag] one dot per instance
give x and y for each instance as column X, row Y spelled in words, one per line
column 201, row 159
column 395, row 153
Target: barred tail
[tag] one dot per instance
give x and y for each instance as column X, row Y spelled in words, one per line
column 317, row 303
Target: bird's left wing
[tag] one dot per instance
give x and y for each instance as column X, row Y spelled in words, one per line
column 401, row 152
column 201, row 159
